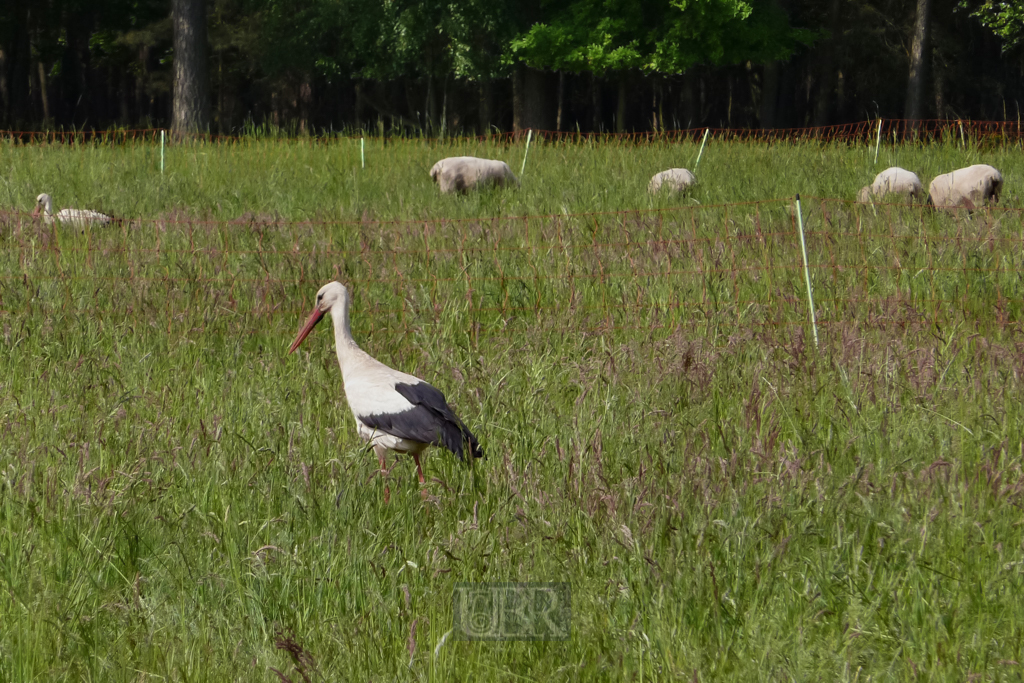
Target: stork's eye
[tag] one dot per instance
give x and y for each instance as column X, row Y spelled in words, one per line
column 319, row 297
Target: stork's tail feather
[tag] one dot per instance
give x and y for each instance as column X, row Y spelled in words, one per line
column 458, row 439
column 474, row 446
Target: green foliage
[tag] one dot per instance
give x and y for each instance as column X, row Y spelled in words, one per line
column 668, row 36
column 102, row 27
column 311, row 36
column 1004, row 17
column 438, row 38
column 301, row 59
column 382, row 40
column 468, row 38
column 592, row 35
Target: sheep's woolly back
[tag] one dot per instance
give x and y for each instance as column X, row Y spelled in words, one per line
column 675, row 179
column 460, row 174
column 969, row 187
column 894, row 180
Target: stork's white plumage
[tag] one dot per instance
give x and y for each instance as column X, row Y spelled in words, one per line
column 75, row 218
column 393, row 410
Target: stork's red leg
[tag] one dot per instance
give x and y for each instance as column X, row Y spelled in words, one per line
column 419, row 473
column 419, row 469
column 381, row 451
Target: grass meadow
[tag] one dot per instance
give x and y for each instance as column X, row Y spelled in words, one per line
column 181, row 500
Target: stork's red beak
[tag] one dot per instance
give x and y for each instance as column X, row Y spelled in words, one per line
column 316, row 316
column 35, row 211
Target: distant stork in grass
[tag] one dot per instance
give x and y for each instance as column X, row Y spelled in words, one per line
column 393, row 410
column 75, row 218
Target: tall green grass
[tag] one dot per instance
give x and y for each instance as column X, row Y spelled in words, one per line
column 180, row 499
column 324, row 181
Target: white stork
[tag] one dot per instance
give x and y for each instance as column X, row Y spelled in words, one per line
column 392, row 410
column 75, row 218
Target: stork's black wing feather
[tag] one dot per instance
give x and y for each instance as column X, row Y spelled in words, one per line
column 430, row 420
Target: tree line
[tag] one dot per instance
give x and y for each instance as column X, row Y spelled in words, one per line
column 474, row 66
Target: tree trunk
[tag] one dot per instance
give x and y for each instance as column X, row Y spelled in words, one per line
column 17, row 58
column 107, row 109
column 840, row 110
column 918, row 60
column 33, row 88
column 561, row 100
column 518, row 99
column 826, row 71
column 305, row 104
column 728, row 110
column 769, row 95
column 940, row 87
column 141, row 76
column 432, row 113
column 529, row 99
column 444, row 106
column 411, row 105
column 5, row 95
column 704, row 110
column 595, row 103
column 654, row 104
column 661, row 105
column 191, row 92
column 124, row 105
column 620, row 112
column 486, row 106
column 218, row 109
column 689, row 98
column 84, row 103
column 358, row 107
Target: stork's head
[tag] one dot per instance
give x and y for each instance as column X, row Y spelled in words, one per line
column 43, row 204
column 330, row 295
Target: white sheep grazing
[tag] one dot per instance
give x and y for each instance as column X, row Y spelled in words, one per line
column 893, row 180
column 969, row 187
column 676, row 179
column 459, row 174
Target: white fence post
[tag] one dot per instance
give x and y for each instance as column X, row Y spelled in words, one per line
column 807, row 272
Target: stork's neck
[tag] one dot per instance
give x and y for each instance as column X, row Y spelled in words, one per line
column 344, row 344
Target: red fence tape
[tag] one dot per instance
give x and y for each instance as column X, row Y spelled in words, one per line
column 862, row 132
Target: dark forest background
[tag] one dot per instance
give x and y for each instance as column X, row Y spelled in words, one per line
column 466, row 66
